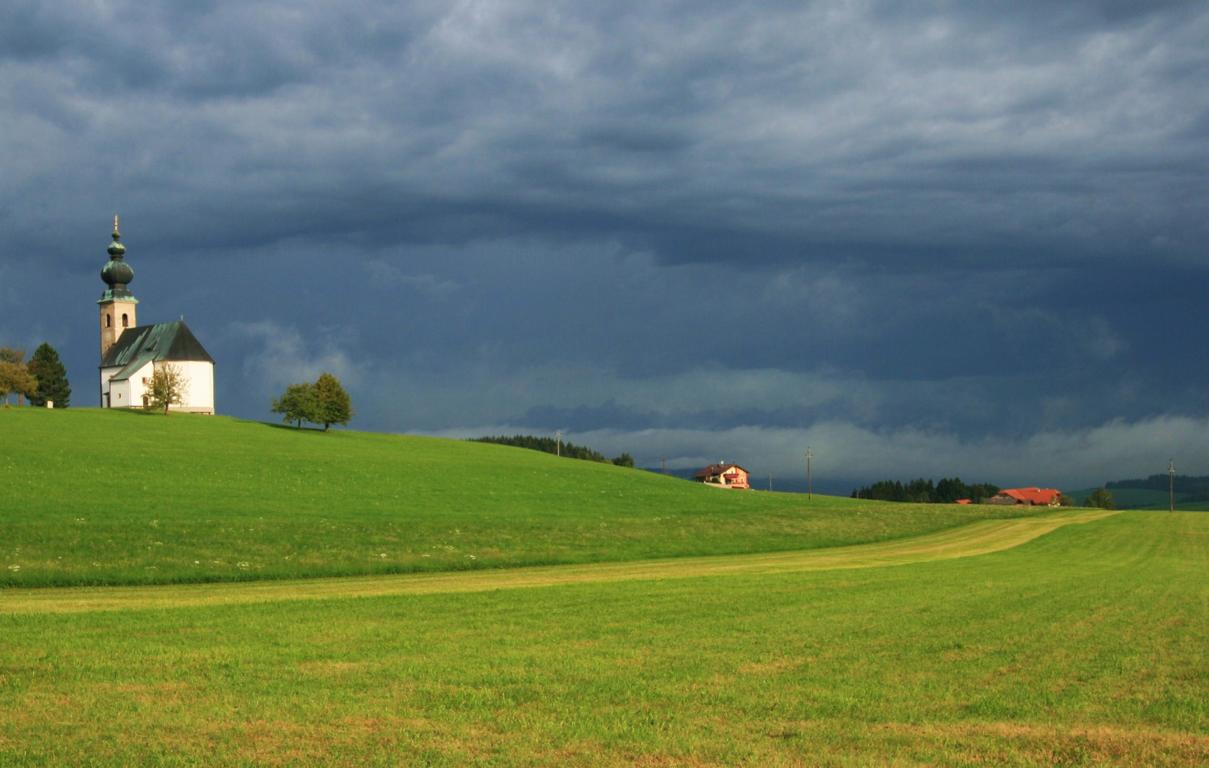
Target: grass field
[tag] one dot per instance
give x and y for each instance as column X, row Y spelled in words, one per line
column 108, row 497
column 1085, row 646
column 964, row 541
column 513, row 608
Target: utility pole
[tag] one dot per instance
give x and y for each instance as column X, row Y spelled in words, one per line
column 558, row 442
column 1171, row 485
column 663, row 464
column 809, row 477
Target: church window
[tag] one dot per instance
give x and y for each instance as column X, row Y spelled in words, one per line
column 108, row 319
column 125, row 320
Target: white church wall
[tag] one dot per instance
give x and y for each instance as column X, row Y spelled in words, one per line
column 127, row 393
column 119, row 394
column 140, row 384
column 106, row 375
column 199, row 388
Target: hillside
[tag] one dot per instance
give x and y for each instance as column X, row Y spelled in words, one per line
column 109, row 497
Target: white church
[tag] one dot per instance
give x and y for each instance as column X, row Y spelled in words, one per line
column 131, row 353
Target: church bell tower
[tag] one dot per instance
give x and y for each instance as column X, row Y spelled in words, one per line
column 117, row 303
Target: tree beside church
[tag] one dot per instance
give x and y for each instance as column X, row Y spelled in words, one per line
column 169, row 386
column 47, row 368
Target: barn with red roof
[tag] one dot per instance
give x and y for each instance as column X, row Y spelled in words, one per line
column 1031, row 497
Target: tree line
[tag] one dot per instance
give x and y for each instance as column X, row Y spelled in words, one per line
column 551, row 445
column 924, row 491
column 322, row 402
column 41, row 379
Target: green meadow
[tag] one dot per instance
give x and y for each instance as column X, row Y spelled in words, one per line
column 111, row 497
column 611, row 616
column 1085, row 646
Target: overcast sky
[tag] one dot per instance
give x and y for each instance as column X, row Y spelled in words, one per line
column 923, row 239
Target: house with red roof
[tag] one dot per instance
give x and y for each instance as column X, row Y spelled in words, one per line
column 724, row 475
column 1031, row 497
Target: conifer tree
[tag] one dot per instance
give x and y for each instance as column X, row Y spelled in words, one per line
column 51, row 376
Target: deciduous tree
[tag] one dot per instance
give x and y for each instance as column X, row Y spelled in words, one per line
column 1101, row 498
column 168, row 387
column 15, row 376
column 297, row 404
column 332, row 404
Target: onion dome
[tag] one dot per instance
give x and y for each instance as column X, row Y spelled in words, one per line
column 117, row 273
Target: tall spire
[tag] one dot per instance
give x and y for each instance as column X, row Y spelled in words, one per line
column 117, row 273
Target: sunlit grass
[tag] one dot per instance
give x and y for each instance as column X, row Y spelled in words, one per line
column 1083, row 647
column 107, row 497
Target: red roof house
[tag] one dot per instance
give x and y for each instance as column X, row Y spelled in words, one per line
column 1032, row 497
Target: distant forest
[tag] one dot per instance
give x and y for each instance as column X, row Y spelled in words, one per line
column 1190, row 488
column 922, row 491
column 550, row 445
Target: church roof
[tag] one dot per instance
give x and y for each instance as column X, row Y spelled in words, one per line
column 162, row 342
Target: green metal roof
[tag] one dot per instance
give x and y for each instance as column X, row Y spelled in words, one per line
column 134, row 367
column 171, row 342
column 112, row 294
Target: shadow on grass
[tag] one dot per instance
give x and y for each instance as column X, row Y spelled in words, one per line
column 291, row 427
column 143, row 413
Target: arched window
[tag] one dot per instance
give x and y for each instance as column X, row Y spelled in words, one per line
column 125, row 320
column 108, row 319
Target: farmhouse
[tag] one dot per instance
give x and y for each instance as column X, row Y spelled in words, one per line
column 132, row 353
column 723, row 475
column 1032, row 497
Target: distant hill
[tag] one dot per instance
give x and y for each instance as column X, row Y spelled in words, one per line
column 1191, row 492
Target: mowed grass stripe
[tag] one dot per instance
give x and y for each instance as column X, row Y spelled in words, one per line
column 967, row 541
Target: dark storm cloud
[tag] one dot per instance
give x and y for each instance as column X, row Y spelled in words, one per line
column 779, row 133
column 969, row 218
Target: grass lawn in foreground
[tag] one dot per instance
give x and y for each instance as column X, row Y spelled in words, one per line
column 1083, row 647
column 111, row 497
